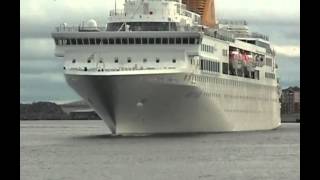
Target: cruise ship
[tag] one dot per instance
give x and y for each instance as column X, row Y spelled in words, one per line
column 169, row 66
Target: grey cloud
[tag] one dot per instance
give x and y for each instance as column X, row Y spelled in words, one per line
column 289, row 70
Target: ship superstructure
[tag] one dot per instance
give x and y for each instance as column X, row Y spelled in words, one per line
column 161, row 66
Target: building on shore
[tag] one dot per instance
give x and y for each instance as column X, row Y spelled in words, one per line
column 290, row 100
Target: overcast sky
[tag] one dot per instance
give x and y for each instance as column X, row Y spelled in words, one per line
column 41, row 73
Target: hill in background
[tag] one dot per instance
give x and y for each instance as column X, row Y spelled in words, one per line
column 78, row 110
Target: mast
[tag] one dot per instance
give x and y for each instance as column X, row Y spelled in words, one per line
column 115, row 7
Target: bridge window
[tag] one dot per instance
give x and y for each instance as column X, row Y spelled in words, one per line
column 92, row 41
column 144, row 41
column 185, row 40
column 98, row 40
column 86, row 41
column 79, row 41
column 131, row 40
column 158, row 40
column 164, row 40
column 178, row 40
column 192, row 41
column 151, row 40
column 111, row 41
column 138, row 40
column 124, row 41
column 171, row 41
column 105, row 41
column 118, row 41
column 197, row 40
column 68, row 41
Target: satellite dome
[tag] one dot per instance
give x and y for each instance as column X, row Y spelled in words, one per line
column 92, row 24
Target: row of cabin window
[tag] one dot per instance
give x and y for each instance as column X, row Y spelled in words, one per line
column 116, row 60
column 209, row 65
column 99, row 41
column 270, row 75
column 207, row 48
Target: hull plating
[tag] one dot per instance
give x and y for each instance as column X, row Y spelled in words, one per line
column 163, row 104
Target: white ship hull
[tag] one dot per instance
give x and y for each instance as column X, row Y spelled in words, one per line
column 172, row 103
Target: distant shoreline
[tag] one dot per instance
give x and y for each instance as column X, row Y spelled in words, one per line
column 51, row 111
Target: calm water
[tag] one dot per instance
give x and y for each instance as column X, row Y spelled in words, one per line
column 76, row 150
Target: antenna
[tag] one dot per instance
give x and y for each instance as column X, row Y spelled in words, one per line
column 115, row 7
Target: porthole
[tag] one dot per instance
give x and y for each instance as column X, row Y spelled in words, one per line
column 157, row 60
column 129, row 60
column 73, row 61
column 89, row 61
column 174, row 60
column 145, row 60
column 116, row 60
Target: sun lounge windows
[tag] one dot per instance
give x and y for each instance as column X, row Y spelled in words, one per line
column 210, row 66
